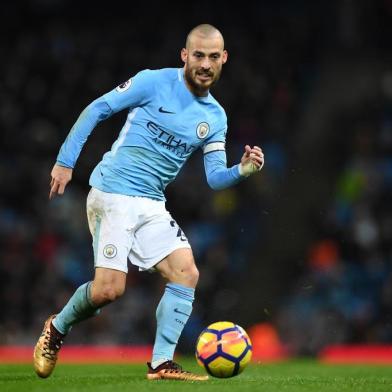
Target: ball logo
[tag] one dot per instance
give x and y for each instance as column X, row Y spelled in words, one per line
column 202, row 130
column 109, row 251
column 124, row 86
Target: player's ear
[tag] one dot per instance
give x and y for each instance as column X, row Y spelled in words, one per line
column 225, row 55
column 184, row 54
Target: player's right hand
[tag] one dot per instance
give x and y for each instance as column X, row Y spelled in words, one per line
column 61, row 176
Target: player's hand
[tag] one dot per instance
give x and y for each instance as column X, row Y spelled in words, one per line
column 61, row 176
column 252, row 161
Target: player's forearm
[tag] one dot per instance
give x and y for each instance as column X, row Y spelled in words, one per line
column 224, row 178
column 218, row 175
column 97, row 111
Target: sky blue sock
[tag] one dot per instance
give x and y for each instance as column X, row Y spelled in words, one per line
column 172, row 314
column 78, row 308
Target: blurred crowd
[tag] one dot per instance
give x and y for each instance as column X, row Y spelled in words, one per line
column 344, row 293
column 277, row 54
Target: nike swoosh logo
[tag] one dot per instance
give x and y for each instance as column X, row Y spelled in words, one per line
column 179, row 311
column 162, row 110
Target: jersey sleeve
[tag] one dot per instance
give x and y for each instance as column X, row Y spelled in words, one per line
column 217, row 140
column 133, row 93
column 97, row 111
column 218, row 175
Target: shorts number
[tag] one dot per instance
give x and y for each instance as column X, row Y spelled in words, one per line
column 180, row 233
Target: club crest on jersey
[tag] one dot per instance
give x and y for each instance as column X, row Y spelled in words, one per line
column 109, row 251
column 124, row 86
column 202, row 130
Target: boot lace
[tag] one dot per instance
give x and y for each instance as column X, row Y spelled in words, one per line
column 52, row 344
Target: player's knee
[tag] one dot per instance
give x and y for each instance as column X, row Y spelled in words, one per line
column 106, row 294
column 187, row 275
column 193, row 275
column 180, row 267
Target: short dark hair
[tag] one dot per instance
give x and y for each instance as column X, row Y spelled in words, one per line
column 205, row 30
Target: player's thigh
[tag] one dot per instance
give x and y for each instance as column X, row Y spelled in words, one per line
column 112, row 219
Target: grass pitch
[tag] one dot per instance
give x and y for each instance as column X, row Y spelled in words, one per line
column 290, row 376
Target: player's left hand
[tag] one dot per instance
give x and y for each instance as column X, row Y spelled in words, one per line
column 252, row 161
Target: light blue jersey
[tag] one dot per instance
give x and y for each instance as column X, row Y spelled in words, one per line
column 166, row 123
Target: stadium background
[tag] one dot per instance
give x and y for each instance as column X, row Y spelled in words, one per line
column 303, row 247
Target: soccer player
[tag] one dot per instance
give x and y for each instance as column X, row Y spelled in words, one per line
column 171, row 114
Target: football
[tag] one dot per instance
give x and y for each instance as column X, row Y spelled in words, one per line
column 223, row 349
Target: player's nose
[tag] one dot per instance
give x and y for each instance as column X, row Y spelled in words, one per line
column 206, row 64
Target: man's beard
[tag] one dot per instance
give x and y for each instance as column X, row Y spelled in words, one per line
column 199, row 89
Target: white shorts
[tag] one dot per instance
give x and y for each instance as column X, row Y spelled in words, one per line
column 128, row 227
